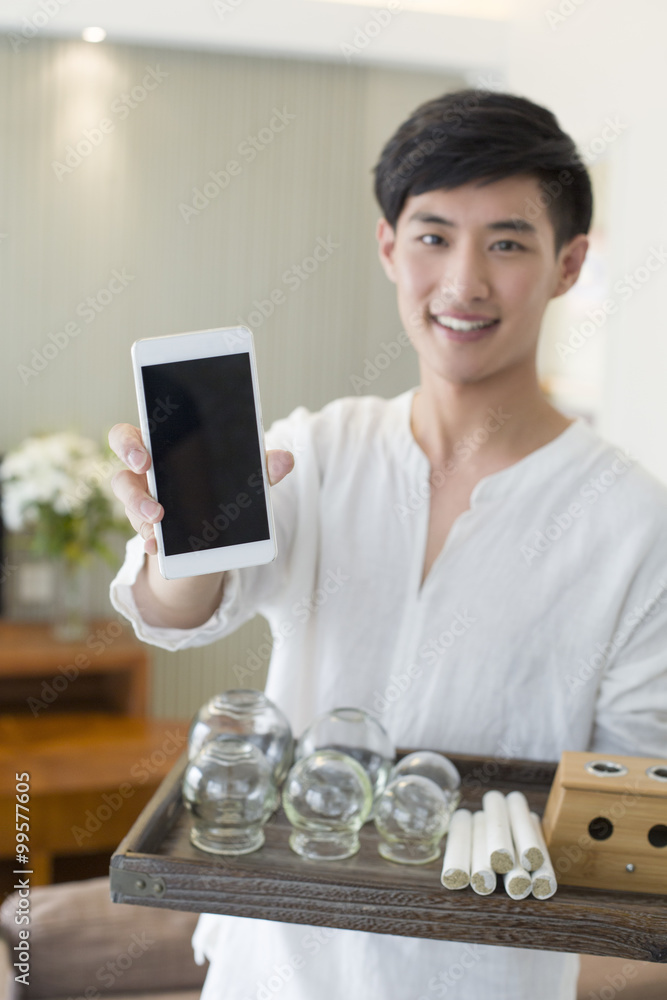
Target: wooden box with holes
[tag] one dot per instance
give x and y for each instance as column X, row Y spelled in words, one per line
column 605, row 822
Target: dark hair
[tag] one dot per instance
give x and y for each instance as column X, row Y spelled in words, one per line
column 483, row 135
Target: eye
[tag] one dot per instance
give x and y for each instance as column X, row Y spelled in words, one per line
column 431, row 236
column 509, row 245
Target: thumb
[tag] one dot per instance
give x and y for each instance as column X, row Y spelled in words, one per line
column 279, row 464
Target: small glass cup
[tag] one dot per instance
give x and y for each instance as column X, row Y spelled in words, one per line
column 411, row 817
column 327, row 797
column 228, row 788
column 437, row 767
column 251, row 716
column 356, row 733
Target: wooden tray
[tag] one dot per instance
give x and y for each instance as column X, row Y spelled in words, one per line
column 156, row 865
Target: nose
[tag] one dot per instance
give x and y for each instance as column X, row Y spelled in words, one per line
column 464, row 279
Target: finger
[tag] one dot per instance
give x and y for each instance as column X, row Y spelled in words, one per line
column 126, row 441
column 139, row 504
column 279, row 463
column 150, row 546
column 147, row 532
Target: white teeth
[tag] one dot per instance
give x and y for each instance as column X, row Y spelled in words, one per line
column 461, row 324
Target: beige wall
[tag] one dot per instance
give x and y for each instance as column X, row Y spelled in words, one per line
column 63, row 237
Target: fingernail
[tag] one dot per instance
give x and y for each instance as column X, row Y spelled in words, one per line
column 150, row 509
column 136, row 458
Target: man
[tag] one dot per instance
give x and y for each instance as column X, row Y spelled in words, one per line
column 484, row 574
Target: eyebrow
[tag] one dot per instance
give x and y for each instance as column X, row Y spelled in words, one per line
column 517, row 224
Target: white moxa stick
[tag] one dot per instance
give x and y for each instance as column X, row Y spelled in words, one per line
column 518, row 882
column 483, row 877
column 456, row 862
column 498, row 833
column 544, row 879
column 528, row 852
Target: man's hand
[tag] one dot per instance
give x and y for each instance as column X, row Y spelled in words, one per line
column 131, row 486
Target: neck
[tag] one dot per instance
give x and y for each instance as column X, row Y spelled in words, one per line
column 506, row 416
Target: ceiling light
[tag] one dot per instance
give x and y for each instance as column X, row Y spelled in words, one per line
column 93, row 34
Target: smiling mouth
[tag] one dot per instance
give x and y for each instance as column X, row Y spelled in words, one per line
column 465, row 330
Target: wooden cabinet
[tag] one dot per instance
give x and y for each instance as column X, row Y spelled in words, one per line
column 73, row 717
column 106, row 672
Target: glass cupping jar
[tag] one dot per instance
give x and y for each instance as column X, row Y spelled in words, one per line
column 250, row 715
column 327, row 798
column 356, row 733
column 228, row 788
column 411, row 816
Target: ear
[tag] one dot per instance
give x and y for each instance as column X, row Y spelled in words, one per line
column 570, row 261
column 386, row 238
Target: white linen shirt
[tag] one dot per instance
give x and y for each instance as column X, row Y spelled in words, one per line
column 541, row 627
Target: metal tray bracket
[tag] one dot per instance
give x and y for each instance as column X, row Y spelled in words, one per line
column 128, row 882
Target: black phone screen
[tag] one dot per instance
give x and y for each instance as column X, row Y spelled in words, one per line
column 206, row 452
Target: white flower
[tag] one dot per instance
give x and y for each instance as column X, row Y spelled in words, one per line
column 61, row 470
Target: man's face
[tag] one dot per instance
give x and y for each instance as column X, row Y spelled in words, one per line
column 473, row 255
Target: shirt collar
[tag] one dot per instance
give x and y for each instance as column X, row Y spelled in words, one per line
column 574, row 442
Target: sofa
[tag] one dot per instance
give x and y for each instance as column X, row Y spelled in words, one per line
column 84, row 947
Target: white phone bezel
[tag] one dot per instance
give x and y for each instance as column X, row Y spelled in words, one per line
column 188, row 347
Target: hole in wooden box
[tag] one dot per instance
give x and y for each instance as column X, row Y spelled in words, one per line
column 657, row 835
column 604, row 767
column 600, row 828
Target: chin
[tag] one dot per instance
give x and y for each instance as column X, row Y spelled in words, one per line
column 453, row 372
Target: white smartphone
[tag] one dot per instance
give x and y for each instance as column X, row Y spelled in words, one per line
column 201, row 422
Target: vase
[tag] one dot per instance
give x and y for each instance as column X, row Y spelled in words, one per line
column 70, row 624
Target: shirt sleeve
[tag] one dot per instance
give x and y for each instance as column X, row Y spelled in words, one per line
column 247, row 591
column 631, row 708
